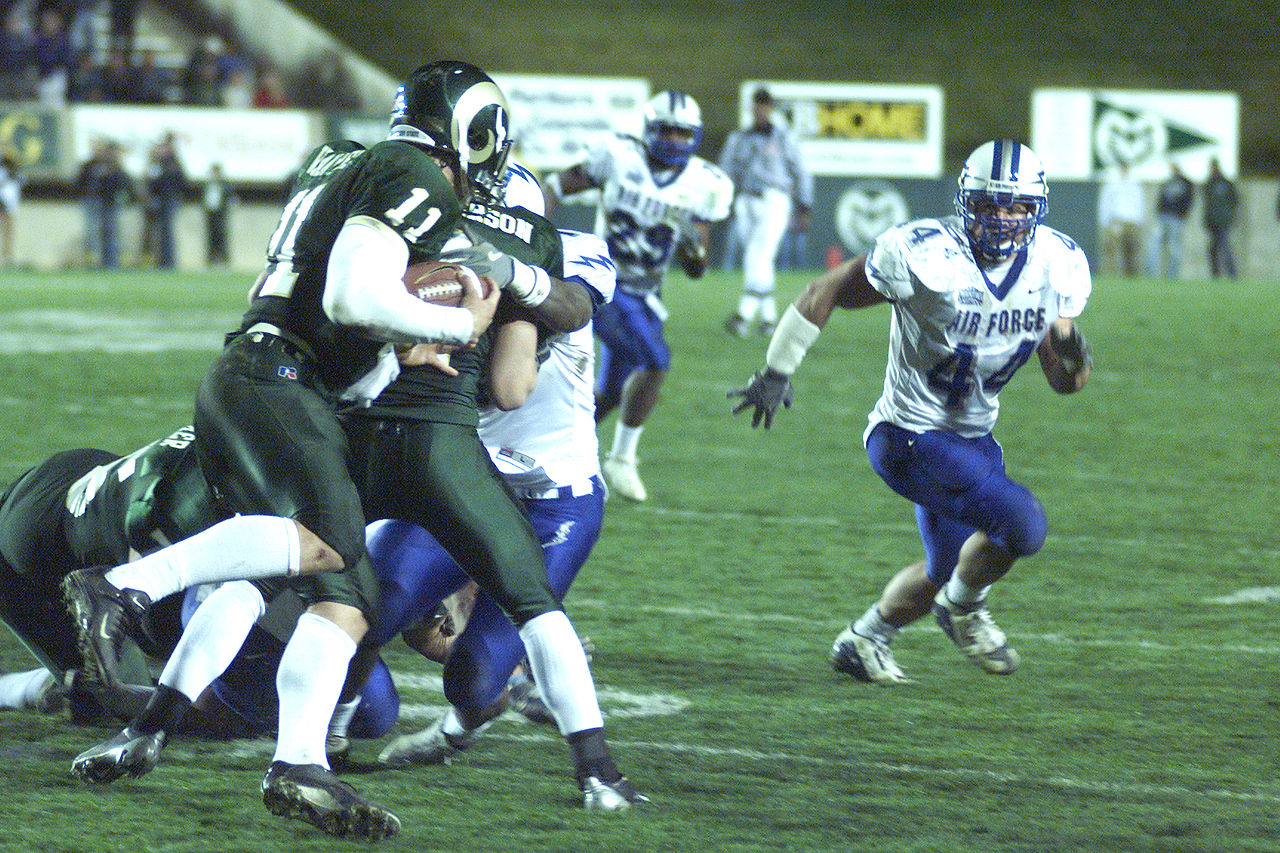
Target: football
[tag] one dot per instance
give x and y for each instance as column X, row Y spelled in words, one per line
column 435, row 282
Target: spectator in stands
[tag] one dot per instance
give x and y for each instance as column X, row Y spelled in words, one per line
column 1173, row 204
column 1120, row 214
column 166, row 190
column 216, row 200
column 151, row 82
column 203, row 88
column 85, row 83
column 1221, row 206
column 17, row 59
column 53, row 58
column 270, row 91
column 105, row 187
column 326, row 84
column 10, row 195
column 123, row 22
column 117, row 78
column 237, row 92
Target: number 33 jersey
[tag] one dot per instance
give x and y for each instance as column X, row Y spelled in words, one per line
column 959, row 332
column 643, row 214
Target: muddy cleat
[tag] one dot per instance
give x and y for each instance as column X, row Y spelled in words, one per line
column 974, row 632
column 622, row 477
column 311, row 793
column 866, row 659
column 765, row 328
column 336, row 749
column 128, row 753
column 598, row 796
column 736, row 326
column 103, row 616
column 430, row 746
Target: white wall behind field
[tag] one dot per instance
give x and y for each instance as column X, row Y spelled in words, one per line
column 50, row 235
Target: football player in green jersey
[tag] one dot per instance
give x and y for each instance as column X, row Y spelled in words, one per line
column 319, row 336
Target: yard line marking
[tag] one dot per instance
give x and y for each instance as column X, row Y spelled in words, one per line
column 1065, row 783
column 252, row 748
column 1054, row 639
column 854, row 526
column 1252, row 595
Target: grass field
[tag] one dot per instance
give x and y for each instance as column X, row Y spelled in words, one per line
column 1145, row 718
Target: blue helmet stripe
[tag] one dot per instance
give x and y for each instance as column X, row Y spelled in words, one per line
column 997, row 159
column 1015, row 152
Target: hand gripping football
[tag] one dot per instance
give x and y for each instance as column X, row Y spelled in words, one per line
column 435, row 282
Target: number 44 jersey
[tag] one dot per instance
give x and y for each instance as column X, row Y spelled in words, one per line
column 644, row 214
column 959, row 331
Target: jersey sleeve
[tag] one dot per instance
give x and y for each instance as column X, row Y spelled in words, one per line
column 888, row 268
column 718, row 196
column 402, row 187
column 587, row 261
column 1069, row 276
column 599, row 164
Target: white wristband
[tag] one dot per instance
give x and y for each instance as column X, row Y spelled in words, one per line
column 790, row 341
column 531, row 285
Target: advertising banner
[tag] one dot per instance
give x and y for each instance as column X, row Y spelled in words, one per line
column 555, row 119
column 859, row 128
column 1081, row 134
column 31, row 135
column 253, row 146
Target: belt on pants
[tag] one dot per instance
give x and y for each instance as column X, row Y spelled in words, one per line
column 573, row 490
column 293, row 340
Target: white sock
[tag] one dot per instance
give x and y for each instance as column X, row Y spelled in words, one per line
column 872, row 624
column 309, row 681
column 748, row 305
column 625, row 440
column 560, row 668
column 768, row 309
column 452, row 725
column 960, row 592
column 20, row 690
column 342, row 715
column 212, row 638
column 244, row 547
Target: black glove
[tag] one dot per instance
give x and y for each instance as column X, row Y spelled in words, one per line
column 692, row 257
column 1072, row 350
column 766, row 390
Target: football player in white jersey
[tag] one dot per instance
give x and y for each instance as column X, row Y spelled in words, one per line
column 657, row 199
column 973, row 296
column 547, row 450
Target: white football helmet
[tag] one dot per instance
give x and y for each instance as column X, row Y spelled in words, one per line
column 1002, row 198
column 671, row 109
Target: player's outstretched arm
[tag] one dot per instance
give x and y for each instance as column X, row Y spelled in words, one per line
column 1065, row 357
column 846, row 286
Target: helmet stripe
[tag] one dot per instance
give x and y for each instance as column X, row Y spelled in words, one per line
column 1015, row 152
column 997, row 159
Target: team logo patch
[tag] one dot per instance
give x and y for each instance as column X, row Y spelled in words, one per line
column 970, row 296
column 287, row 372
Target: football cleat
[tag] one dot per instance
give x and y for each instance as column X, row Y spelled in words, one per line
column 525, row 699
column 103, row 615
column 621, row 476
column 736, row 326
column 311, row 793
column 432, row 745
column 128, row 753
column 765, row 328
column 975, row 634
column 599, row 796
column 867, row 659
